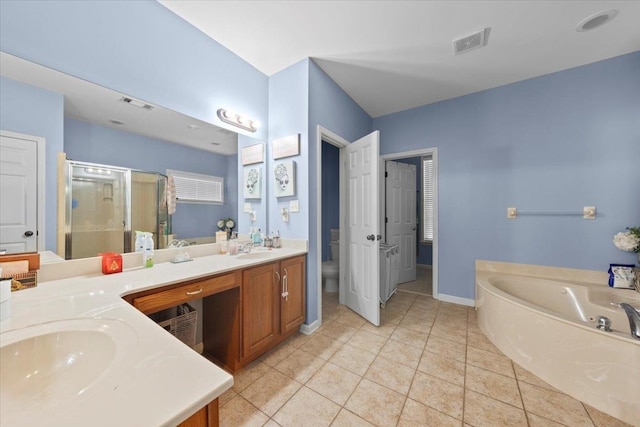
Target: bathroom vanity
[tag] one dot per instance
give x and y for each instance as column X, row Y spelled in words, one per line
column 250, row 304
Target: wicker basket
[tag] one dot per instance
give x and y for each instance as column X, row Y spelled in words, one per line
column 180, row 322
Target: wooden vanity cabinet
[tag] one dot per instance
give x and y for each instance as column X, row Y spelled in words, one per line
column 273, row 305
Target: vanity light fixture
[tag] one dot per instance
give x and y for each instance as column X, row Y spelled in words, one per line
column 237, row 120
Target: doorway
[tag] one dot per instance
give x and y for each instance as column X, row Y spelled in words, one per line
column 22, row 192
column 426, row 255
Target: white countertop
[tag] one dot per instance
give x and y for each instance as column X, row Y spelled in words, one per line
column 160, row 381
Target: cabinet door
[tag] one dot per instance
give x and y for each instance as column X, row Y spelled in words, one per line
column 260, row 308
column 292, row 305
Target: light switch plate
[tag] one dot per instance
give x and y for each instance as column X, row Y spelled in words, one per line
column 247, row 208
column 294, row 206
column 512, row 213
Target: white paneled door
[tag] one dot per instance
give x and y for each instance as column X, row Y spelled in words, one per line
column 18, row 194
column 401, row 215
column 362, row 280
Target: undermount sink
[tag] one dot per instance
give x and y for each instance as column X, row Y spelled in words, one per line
column 44, row 365
column 255, row 255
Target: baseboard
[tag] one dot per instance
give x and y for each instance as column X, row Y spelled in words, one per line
column 309, row 329
column 424, row 266
column 456, row 300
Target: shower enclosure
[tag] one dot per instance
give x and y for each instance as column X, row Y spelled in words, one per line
column 105, row 204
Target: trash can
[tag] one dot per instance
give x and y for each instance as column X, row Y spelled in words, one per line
column 389, row 270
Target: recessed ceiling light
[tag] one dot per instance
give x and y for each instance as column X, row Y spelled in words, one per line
column 596, row 20
column 116, row 122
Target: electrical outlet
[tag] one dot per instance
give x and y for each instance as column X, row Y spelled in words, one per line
column 512, row 213
column 294, row 206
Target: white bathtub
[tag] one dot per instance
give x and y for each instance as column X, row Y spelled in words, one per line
column 548, row 327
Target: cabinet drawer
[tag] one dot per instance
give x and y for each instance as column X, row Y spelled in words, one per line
column 171, row 297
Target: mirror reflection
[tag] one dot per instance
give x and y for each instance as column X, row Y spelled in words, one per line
column 136, row 139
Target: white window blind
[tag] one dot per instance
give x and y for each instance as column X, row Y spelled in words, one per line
column 197, row 188
column 427, row 198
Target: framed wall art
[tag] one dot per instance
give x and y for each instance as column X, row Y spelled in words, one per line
column 253, row 154
column 252, row 183
column 285, row 176
column 286, row 147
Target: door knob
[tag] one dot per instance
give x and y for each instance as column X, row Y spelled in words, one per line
column 371, row 237
column 414, row 229
column 28, row 233
column 378, row 237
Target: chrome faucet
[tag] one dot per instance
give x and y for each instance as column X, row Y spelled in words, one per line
column 246, row 248
column 634, row 319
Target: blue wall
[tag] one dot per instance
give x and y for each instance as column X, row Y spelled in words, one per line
column 34, row 111
column 87, row 142
column 331, row 108
column 139, row 48
column 554, row 143
column 330, row 195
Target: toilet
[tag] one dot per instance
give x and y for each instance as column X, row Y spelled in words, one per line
column 331, row 269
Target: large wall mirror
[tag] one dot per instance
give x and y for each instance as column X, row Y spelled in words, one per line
column 96, row 125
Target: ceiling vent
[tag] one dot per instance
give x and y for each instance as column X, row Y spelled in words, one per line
column 471, row 42
column 136, row 103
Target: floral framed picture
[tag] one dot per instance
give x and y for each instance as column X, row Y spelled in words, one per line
column 285, row 176
column 253, row 183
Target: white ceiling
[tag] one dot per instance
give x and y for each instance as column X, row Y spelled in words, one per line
column 92, row 103
column 390, row 56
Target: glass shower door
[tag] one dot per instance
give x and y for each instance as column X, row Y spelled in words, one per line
column 97, row 210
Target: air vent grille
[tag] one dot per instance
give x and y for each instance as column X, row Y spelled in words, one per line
column 471, row 42
column 136, row 103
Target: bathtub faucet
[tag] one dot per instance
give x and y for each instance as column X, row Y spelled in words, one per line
column 634, row 319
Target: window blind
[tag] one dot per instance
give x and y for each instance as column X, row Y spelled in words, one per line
column 427, row 198
column 197, row 188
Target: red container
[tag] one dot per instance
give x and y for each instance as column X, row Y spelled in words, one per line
column 111, row 262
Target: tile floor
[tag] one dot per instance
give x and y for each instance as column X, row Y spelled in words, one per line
column 423, row 285
column 428, row 364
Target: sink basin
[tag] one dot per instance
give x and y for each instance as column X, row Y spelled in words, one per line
column 255, row 255
column 44, row 365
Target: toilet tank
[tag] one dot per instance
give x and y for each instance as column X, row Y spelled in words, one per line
column 335, row 250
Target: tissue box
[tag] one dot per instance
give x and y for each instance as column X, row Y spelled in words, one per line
column 111, row 262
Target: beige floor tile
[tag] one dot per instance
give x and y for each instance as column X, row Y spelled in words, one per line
column 278, row 354
column 376, row 404
column 416, row 324
column 494, row 362
column 600, row 419
column 330, row 316
column 270, row 391
column 298, row 339
column 334, row 383
column 483, row 411
column 339, row 331
column 446, row 348
column 353, row 359
column 393, row 375
column 382, row 330
column 494, row 385
column 410, row 337
column 390, row 317
column 239, row 412
column 349, row 419
column 449, row 332
column 322, row 346
column 423, row 312
column 397, row 306
column 416, row 414
column 553, row 405
column 527, row 377
column 482, row 342
column 538, row 421
column 300, row 365
column 307, row 408
column 401, row 353
column 247, row 375
column 438, row 394
column 442, row 367
column 352, row 319
column 271, row 423
column 367, row 341
column 226, row 397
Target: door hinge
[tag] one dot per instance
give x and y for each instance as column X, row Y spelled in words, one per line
column 386, row 174
column 386, row 220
